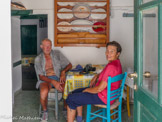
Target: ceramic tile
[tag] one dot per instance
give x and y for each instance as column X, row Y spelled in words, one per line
column 26, row 109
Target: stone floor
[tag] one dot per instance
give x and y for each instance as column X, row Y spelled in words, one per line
column 26, row 109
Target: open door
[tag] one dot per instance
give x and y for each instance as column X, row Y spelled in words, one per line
column 148, row 61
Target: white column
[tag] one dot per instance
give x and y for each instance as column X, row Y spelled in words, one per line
column 5, row 63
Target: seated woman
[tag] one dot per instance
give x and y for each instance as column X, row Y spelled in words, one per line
column 97, row 92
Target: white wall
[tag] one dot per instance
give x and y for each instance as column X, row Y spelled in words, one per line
column 121, row 30
column 16, row 79
column 5, row 63
column 16, row 54
column 125, row 3
column 41, row 32
column 42, row 35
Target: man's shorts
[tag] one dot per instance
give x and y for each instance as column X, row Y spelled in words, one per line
column 50, row 77
column 79, row 98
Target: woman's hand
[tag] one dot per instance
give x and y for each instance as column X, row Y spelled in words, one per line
column 85, row 90
column 93, row 81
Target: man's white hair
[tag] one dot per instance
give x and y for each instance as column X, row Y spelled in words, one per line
column 46, row 39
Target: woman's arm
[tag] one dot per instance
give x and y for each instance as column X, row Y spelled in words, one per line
column 97, row 89
column 94, row 80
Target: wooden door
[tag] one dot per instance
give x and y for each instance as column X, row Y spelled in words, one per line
column 29, row 39
column 148, row 61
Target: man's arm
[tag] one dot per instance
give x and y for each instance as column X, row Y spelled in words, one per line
column 97, row 89
column 67, row 68
column 63, row 72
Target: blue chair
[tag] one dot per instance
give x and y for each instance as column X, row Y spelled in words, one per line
column 106, row 111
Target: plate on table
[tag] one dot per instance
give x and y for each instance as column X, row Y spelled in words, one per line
column 82, row 22
column 64, row 29
column 98, row 16
column 65, row 16
column 99, row 29
column 81, row 8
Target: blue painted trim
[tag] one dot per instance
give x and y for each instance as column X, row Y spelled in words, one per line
column 132, row 15
column 15, row 64
column 21, row 12
column 128, row 15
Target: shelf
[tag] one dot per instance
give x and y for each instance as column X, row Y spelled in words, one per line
column 72, row 19
column 81, row 12
column 71, row 7
column 81, row 34
column 81, row 25
column 82, row 0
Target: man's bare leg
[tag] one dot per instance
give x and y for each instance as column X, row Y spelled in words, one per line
column 70, row 114
column 44, row 88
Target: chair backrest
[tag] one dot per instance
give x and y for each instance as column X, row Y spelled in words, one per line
column 117, row 93
column 112, row 95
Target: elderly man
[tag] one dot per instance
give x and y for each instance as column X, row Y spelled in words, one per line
column 51, row 67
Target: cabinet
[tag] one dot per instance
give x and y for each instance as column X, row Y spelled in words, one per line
column 81, row 23
column 29, row 78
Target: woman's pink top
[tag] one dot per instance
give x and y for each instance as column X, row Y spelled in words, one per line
column 111, row 69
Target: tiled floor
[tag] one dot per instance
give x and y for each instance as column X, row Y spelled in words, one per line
column 26, row 108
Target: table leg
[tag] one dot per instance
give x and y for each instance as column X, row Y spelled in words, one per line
column 128, row 106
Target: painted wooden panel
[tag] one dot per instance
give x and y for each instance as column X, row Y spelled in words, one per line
column 147, row 106
column 29, row 39
column 146, row 115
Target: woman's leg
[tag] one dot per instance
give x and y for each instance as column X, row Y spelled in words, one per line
column 79, row 117
column 79, row 111
column 70, row 114
column 76, row 100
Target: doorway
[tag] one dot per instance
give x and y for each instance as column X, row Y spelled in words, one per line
column 28, row 52
column 33, row 31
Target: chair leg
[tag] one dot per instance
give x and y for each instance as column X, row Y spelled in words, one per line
column 40, row 110
column 104, row 114
column 119, row 113
column 56, row 104
column 88, row 113
column 108, row 115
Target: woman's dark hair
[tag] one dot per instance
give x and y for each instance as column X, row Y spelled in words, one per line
column 116, row 44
